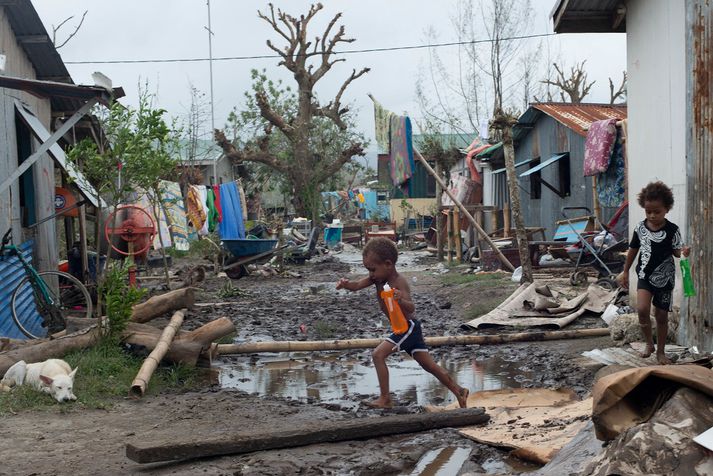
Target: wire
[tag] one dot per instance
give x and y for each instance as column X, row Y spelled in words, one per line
column 345, row 52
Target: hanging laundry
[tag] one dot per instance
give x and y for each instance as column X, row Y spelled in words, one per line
column 196, row 212
column 475, row 148
column 232, row 227
column 382, row 121
column 203, row 194
column 243, row 200
column 212, row 211
column 361, row 197
column 172, row 204
column 598, row 146
column 401, row 155
column 216, row 191
column 611, row 183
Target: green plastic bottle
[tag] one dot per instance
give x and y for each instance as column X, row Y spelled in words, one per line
column 688, row 289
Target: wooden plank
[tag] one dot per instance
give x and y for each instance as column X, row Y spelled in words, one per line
column 319, row 432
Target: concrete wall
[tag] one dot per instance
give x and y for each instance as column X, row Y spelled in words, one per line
column 18, row 65
column 656, row 67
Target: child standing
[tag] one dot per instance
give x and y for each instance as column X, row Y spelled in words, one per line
column 657, row 241
column 379, row 258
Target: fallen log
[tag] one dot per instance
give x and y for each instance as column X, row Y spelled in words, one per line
column 295, row 346
column 322, row 432
column 163, row 303
column 55, row 348
column 138, row 386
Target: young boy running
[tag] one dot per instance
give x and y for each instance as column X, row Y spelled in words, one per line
column 379, row 258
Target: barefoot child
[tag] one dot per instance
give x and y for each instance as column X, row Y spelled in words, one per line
column 379, row 258
column 657, row 241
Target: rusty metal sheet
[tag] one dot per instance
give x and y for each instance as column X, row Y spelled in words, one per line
column 579, row 117
column 696, row 327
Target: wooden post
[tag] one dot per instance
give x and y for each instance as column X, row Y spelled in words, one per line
column 595, row 200
column 494, row 220
column 83, row 245
column 479, row 221
column 449, row 235
column 439, row 215
column 308, row 434
column 320, row 345
column 456, row 234
column 506, row 219
column 485, row 236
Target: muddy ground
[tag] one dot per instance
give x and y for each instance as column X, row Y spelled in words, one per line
column 73, row 440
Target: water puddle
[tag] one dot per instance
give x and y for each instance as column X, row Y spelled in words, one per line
column 441, row 462
column 336, row 377
column 408, row 260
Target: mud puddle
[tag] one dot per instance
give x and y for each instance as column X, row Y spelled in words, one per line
column 442, row 461
column 343, row 379
column 408, row 260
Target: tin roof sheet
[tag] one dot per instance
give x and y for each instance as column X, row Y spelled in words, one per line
column 577, row 117
column 11, row 273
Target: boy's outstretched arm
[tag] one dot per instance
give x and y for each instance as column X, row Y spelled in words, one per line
column 344, row 283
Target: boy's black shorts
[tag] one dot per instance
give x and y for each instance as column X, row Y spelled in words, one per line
column 410, row 341
column 661, row 296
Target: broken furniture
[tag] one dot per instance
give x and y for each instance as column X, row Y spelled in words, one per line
column 374, row 229
column 353, row 234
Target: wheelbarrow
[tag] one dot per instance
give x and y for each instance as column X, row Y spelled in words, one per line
column 248, row 251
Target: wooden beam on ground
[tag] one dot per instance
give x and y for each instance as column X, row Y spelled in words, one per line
column 457, row 202
column 319, row 432
column 315, row 345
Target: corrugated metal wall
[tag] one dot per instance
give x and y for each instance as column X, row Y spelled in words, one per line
column 548, row 138
column 11, row 273
column 696, row 327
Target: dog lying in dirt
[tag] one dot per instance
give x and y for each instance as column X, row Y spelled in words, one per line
column 53, row 376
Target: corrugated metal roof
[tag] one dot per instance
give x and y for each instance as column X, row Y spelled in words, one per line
column 577, row 117
column 11, row 273
column 589, row 16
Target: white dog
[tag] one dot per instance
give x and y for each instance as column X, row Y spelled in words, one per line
column 53, row 376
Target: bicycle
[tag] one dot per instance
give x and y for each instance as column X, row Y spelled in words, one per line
column 56, row 295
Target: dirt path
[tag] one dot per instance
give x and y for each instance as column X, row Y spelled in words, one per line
column 72, row 440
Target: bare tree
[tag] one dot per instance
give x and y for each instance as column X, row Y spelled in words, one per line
column 71, row 35
column 573, row 86
column 308, row 61
column 619, row 93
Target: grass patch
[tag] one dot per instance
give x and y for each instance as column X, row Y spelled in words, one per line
column 105, row 374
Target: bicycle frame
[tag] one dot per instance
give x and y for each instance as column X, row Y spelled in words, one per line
column 38, row 284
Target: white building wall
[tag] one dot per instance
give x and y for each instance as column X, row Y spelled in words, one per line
column 656, row 89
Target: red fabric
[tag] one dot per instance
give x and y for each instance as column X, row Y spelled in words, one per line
column 599, row 146
column 216, row 203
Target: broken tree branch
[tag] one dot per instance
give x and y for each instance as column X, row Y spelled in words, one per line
column 163, row 303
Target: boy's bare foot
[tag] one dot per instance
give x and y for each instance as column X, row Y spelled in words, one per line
column 647, row 351
column 463, row 397
column 380, row 402
column 662, row 359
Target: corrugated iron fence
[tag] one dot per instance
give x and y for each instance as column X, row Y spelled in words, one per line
column 11, row 273
column 696, row 326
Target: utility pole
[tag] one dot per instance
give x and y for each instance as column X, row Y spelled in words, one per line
column 212, row 108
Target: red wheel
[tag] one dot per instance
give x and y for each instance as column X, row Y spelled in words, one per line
column 131, row 229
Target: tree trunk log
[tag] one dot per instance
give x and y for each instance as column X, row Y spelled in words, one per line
column 514, row 189
column 55, row 348
column 295, row 346
column 138, row 386
column 322, row 432
column 163, row 303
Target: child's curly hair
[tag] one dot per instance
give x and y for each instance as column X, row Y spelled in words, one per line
column 383, row 248
column 656, row 191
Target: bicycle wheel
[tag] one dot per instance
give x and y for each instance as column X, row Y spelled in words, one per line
column 71, row 299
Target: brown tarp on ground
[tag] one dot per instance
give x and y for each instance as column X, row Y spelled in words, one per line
column 630, row 397
column 519, row 310
column 664, row 444
column 535, row 422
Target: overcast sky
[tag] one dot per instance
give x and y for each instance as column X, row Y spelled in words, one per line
column 175, row 29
